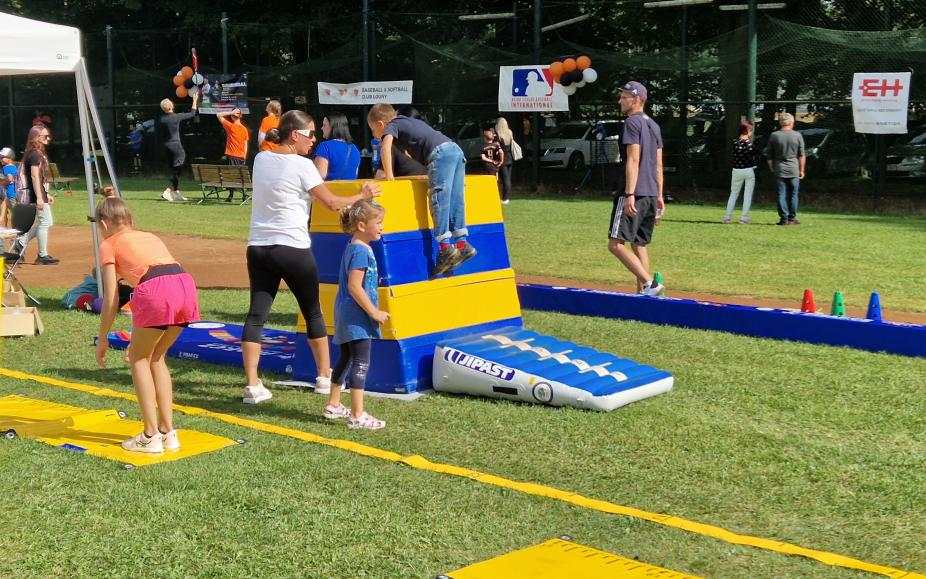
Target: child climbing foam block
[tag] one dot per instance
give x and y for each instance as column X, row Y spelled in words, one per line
column 517, row 364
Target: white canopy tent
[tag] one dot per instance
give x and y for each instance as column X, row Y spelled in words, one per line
column 35, row 47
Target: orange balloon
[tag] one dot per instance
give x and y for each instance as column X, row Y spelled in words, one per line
column 569, row 65
column 186, row 72
column 556, row 68
column 583, row 62
column 178, row 80
column 181, row 92
column 556, row 77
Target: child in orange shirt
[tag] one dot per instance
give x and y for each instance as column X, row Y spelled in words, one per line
column 271, row 121
column 164, row 301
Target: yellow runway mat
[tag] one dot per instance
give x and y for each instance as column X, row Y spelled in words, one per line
column 95, row 432
column 559, row 558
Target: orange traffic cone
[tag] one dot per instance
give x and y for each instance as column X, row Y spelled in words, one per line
column 808, row 305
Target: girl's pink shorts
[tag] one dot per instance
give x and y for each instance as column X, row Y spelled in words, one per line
column 166, row 300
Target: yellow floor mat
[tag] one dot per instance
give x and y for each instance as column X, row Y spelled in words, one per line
column 561, row 558
column 95, row 432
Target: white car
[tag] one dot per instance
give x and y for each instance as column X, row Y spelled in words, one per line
column 575, row 145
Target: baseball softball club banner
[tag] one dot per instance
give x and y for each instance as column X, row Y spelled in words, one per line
column 397, row 92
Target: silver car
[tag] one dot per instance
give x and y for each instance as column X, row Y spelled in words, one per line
column 576, row 144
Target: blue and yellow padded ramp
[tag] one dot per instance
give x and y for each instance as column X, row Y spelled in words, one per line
column 517, row 364
column 406, row 203
column 558, row 558
column 439, row 305
column 95, row 432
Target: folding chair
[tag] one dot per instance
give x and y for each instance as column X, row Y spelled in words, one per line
column 23, row 219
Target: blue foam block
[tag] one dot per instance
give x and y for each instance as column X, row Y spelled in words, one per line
column 862, row 334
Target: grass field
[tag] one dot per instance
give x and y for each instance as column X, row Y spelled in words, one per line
column 823, row 447
column 565, row 238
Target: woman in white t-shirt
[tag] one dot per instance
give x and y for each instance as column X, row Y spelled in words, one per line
column 284, row 185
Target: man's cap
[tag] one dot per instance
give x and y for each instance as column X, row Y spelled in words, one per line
column 635, row 88
column 7, row 153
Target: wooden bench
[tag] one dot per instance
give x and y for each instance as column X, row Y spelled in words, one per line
column 58, row 181
column 216, row 179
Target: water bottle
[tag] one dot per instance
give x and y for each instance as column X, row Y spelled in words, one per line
column 374, row 144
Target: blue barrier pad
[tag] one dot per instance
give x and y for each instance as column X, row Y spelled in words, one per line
column 780, row 324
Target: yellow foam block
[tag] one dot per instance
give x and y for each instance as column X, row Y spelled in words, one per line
column 558, row 558
column 436, row 305
column 96, row 432
column 407, row 206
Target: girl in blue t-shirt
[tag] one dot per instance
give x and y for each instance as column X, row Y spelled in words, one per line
column 356, row 314
column 337, row 157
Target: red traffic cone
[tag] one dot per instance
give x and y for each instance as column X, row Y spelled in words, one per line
column 808, row 305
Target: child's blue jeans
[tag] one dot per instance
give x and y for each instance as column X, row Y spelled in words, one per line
column 446, row 170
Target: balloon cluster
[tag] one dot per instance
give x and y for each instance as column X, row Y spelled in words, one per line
column 187, row 82
column 573, row 73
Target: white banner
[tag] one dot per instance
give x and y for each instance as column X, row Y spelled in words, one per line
column 397, row 92
column 529, row 88
column 879, row 102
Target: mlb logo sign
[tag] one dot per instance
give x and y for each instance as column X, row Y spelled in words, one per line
column 530, row 88
column 531, row 82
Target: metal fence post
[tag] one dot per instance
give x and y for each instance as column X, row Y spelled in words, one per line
column 535, row 118
column 224, row 23
column 112, row 85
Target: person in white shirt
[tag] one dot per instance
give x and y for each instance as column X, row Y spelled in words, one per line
column 279, row 246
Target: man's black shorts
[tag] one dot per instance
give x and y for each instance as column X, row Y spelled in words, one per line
column 638, row 229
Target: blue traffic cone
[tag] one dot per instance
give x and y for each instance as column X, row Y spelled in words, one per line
column 874, row 307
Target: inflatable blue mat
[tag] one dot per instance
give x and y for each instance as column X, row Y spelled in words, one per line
column 518, row 364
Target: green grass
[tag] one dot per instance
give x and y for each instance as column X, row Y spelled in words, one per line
column 566, row 238
column 819, row 446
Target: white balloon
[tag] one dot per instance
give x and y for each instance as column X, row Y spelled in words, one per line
column 589, row 75
column 570, row 90
column 580, row 84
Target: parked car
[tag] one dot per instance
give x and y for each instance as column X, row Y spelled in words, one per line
column 908, row 160
column 576, row 144
column 834, row 151
column 469, row 137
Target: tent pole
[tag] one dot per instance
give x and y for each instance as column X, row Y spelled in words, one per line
column 95, row 116
column 85, row 147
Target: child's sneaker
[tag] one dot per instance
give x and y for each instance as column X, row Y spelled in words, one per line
column 466, row 251
column 366, row 422
column 447, row 258
column 256, row 394
column 653, row 289
column 141, row 443
column 745, row 220
column 171, row 440
column 322, row 385
column 338, row 412
column 726, row 220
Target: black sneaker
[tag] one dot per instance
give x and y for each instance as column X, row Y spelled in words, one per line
column 46, row 260
column 11, row 257
column 467, row 252
column 782, row 222
column 794, row 221
column 447, row 258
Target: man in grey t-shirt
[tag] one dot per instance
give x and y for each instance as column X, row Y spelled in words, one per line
column 786, row 159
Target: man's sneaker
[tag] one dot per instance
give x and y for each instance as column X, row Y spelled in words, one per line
column 366, row 422
column 782, row 222
column 726, row 220
column 322, row 385
column 141, row 443
column 338, row 412
column 168, row 195
column 171, row 440
column 47, row 260
column 447, row 259
column 466, row 251
column 256, row 394
column 653, row 289
column 794, row 221
column 745, row 220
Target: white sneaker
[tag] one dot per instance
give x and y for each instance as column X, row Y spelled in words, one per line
column 141, row 443
column 653, row 290
column 256, row 394
column 323, row 385
column 168, row 195
column 365, row 422
column 171, row 440
column 178, row 197
column 506, row 201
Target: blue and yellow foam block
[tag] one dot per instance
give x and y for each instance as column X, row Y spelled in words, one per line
column 479, row 296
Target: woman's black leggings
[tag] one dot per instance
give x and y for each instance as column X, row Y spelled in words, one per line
column 353, row 365
column 176, row 156
column 267, row 265
column 504, row 177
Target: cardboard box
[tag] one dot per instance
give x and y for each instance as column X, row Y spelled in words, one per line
column 20, row 322
column 14, row 299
